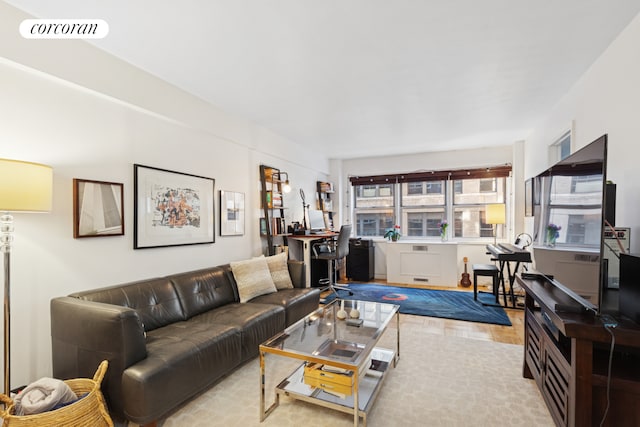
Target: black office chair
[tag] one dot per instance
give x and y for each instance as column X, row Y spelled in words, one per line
column 331, row 251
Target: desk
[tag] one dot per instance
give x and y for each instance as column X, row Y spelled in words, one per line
column 300, row 249
column 567, row 355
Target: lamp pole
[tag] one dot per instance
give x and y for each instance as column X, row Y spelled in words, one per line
column 7, row 237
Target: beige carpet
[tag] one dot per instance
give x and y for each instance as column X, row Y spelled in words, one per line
column 439, row 381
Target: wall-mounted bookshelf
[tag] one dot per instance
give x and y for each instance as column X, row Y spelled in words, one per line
column 324, row 199
column 272, row 223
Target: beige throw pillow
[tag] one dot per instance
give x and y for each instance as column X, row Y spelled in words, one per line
column 280, row 271
column 253, row 278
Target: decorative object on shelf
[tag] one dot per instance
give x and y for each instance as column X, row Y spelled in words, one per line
column 231, row 213
column 97, row 208
column 341, row 314
column 494, row 215
column 443, row 229
column 393, row 234
column 172, row 208
column 354, row 313
column 553, row 232
column 26, row 187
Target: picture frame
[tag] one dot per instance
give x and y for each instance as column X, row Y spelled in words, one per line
column 172, row 208
column 98, row 208
column 528, row 197
column 231, row 213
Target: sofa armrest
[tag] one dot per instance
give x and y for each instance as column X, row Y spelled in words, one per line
column 83, row 333
column 297, row 273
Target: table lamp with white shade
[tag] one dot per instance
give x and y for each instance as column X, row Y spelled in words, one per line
column 494, row 215
column 24, row 187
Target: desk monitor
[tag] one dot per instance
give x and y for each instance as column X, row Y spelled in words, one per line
column 316, row 220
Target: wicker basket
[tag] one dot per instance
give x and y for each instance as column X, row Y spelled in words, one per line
column 91, row 410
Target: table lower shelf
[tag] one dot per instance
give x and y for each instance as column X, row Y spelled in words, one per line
column 368, row 387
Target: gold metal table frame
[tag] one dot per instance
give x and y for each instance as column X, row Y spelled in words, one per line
column 307, row 341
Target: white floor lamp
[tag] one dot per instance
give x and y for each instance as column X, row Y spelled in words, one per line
column 24, row 187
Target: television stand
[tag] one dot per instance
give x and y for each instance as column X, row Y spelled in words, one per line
column 567, row 354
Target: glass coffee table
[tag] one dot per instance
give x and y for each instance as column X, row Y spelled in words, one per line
column 342, row 368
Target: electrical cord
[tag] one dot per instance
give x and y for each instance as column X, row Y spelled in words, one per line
column 613, row 343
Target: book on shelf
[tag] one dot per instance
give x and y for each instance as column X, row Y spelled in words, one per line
column 277, row 226
column 378, row 365
column 274, row 200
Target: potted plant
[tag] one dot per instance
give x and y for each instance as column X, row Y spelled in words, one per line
column 393, row 234
column 443, row 229
column 553, row 232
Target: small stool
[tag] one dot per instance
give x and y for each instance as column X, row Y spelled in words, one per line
column 486, row 270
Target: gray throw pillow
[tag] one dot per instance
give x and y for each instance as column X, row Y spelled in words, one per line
column 280, row 270
column 253, row 278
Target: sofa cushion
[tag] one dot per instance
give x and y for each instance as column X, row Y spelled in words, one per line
column 253, row 278
column 279, row 270
column 183, row 359
column 204, row 290
column 155, row 300
column 297, row 303
column 258, row 323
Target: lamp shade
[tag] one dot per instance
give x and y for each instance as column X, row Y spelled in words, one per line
column 25, row 186
column 495, row 213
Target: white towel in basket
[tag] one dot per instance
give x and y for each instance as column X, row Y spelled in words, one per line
column 42, row 396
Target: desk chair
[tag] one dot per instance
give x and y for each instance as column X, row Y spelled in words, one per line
column 331, row 251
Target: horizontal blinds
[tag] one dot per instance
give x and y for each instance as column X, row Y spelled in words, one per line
column 476, row 173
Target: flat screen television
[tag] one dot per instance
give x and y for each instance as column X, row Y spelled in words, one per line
column 569, row 219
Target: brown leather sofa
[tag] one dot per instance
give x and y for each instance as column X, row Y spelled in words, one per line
column 168, row 339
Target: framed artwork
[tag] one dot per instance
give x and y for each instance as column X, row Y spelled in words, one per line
column 528, row 197
column 172, row 208
column 231, row 213
column 97, row 208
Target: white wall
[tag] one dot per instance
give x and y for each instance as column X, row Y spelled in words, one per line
column 91, row 116
column 606, row 99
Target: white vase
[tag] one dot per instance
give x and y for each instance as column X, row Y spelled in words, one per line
column 341, row 314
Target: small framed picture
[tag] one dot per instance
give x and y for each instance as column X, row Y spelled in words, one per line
column 231, row 213
column 97, row 208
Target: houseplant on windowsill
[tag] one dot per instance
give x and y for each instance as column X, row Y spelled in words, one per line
column 553, row 232
column 393, row 234
column 443, row 229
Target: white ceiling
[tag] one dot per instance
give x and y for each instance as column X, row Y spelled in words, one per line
column 365, row 77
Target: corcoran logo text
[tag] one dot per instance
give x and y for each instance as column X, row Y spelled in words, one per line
column 64, row 28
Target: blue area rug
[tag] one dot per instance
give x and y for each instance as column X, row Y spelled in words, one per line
column 430, row 302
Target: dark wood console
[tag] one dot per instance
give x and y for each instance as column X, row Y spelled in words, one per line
column 567, row 354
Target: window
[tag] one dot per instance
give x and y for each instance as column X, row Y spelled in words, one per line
column 560, row 149
column 469, row 201
column 374, row 209
column 423, row 207
column 419, row 201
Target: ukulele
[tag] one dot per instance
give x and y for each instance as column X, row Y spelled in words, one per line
column 466, row 282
